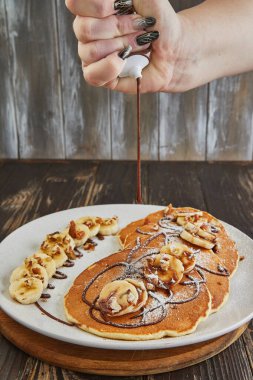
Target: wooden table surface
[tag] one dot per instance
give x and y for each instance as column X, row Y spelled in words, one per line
column 33, row 189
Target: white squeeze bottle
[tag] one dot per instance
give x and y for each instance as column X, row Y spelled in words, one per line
column 134, row 65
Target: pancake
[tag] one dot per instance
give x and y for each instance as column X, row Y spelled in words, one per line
column 172, row 319
column 160, row 306
column 129, row 229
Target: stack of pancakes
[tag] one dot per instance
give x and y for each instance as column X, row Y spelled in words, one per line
column 172, row 310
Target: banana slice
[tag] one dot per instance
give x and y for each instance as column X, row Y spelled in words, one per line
column 181, row 252
column 31, row 269
column 44, row 260
column 195, row 228
column 55, row 251
column 122, row 297
column 108, row 226
column 187, row 236
column 163, row 270
column 206, row 235
column 189, row 214
column 80, row 233
column 64, row 240
column 26, row 290
column 92, row 222
column 181, row 220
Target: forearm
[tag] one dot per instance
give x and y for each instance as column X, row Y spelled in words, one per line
column 217, row 42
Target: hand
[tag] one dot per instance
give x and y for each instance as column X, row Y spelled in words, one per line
column 104, row 37
column 195, row 46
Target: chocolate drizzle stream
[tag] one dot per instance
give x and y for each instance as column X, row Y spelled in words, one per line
column 134, row 269
column 139, row 189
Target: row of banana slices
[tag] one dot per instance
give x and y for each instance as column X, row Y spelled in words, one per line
column 28, row 281
column 197, row 230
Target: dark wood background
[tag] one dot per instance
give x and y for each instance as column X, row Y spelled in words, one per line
column 47, row 111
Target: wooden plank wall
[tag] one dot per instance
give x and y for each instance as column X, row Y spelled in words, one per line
column 47, row 111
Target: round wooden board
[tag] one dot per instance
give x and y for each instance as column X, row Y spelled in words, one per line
column 111, row 362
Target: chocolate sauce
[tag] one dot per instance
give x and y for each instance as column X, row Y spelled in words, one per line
column 225, row 272
column 79, row 253
column 143, row 232
column 50, row 286
column 59, row 275
column 52, row 316
column 45, row 296
column 68, row 264
column 89, row 245
column 131, row 270
column 100, row 236
column 139, row 189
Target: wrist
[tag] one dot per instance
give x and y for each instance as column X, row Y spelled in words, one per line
column 186, row 72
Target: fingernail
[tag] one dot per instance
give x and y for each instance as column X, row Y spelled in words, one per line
column 143, row 23
column 147, row 38
column 125, row 52
column 123, row 7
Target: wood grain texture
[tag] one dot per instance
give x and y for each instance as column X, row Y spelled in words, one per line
column 86, row 109
column 124, row 126
column 183, row 117
column 8, row 129
column 230, row 122
column 178, row 184
column 34, row 66
column 29, row 190
column 112, row 362
column 183, row 121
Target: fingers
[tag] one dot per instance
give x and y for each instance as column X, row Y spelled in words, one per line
column 99, row 8
column 104, row 71
column 96, row 50
column 91, row 29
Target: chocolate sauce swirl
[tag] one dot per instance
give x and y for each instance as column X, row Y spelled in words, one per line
column 134, row 269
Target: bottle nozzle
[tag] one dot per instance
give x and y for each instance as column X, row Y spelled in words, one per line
column 134, row 65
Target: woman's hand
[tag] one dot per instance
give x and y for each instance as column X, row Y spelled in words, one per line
column 189, row 48
column 104, row 32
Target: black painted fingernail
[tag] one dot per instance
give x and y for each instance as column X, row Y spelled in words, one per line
column 143, row 23
column 125, row 52
column 123, row 7
column 147, row 38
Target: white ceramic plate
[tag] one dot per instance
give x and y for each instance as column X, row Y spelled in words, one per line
column 26, row 240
